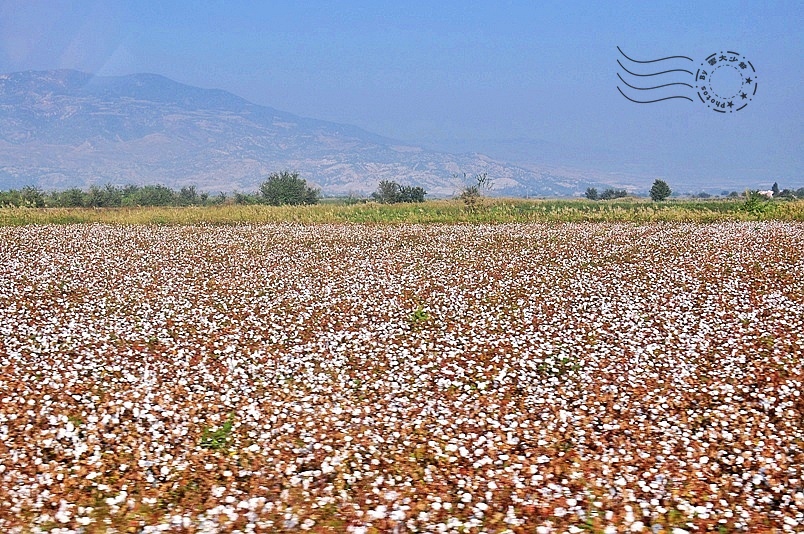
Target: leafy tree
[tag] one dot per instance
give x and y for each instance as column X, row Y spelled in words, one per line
column 287, row 188
column 775, row 189
column 591, row 193
column 660, row 191
column 610, row 194
column 387, row 192
column 408, row 193
column 800, row 192
column 188, row 196
column 151, row 195
column 32, row 197
column 70, row 198
column 104, row 197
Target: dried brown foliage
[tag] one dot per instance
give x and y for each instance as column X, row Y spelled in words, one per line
column 602, row 377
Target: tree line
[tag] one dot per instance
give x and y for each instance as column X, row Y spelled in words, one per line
column 279, row 189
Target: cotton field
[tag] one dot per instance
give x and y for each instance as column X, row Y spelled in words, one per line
column 357, row 378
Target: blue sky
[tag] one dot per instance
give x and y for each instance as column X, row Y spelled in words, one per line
column 522, row 80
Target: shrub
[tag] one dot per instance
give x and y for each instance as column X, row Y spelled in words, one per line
column 472, row 194
column 287, row 188
column 246, row 199
column 756, row 204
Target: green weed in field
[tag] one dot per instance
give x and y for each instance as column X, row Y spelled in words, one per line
column 217, row 439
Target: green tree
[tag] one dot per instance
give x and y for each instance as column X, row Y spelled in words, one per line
column 610, row 194
column 409, row 193
column 660, row 191
column 591, row 193
column 71, row 198
column 387, row 192
column 188, row 196
column 32, row 197
column 104, row 197
column 149, row 195
column 775, row 189
column 287, row 188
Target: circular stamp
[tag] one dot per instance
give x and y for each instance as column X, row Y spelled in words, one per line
column 726, row 82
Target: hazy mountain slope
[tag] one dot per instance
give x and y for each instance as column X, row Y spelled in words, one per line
column 67, row 128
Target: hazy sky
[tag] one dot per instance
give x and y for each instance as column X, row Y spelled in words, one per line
column 480, row 76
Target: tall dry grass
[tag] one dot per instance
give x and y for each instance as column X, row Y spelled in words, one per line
column 436, row 211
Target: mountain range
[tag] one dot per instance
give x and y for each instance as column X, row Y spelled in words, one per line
column 65, row 128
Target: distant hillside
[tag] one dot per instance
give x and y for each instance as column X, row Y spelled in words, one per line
column 67, row 128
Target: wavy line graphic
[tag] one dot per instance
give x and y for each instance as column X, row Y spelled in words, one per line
column 652, row 60
column 638, row 87
column 649, row 88
column 655, row 73
column 651, row 101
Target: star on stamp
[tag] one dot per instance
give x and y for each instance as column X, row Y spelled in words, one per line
column 724, row 82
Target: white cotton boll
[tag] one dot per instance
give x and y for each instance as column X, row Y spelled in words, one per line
column 379, row 512
column 397, row 515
